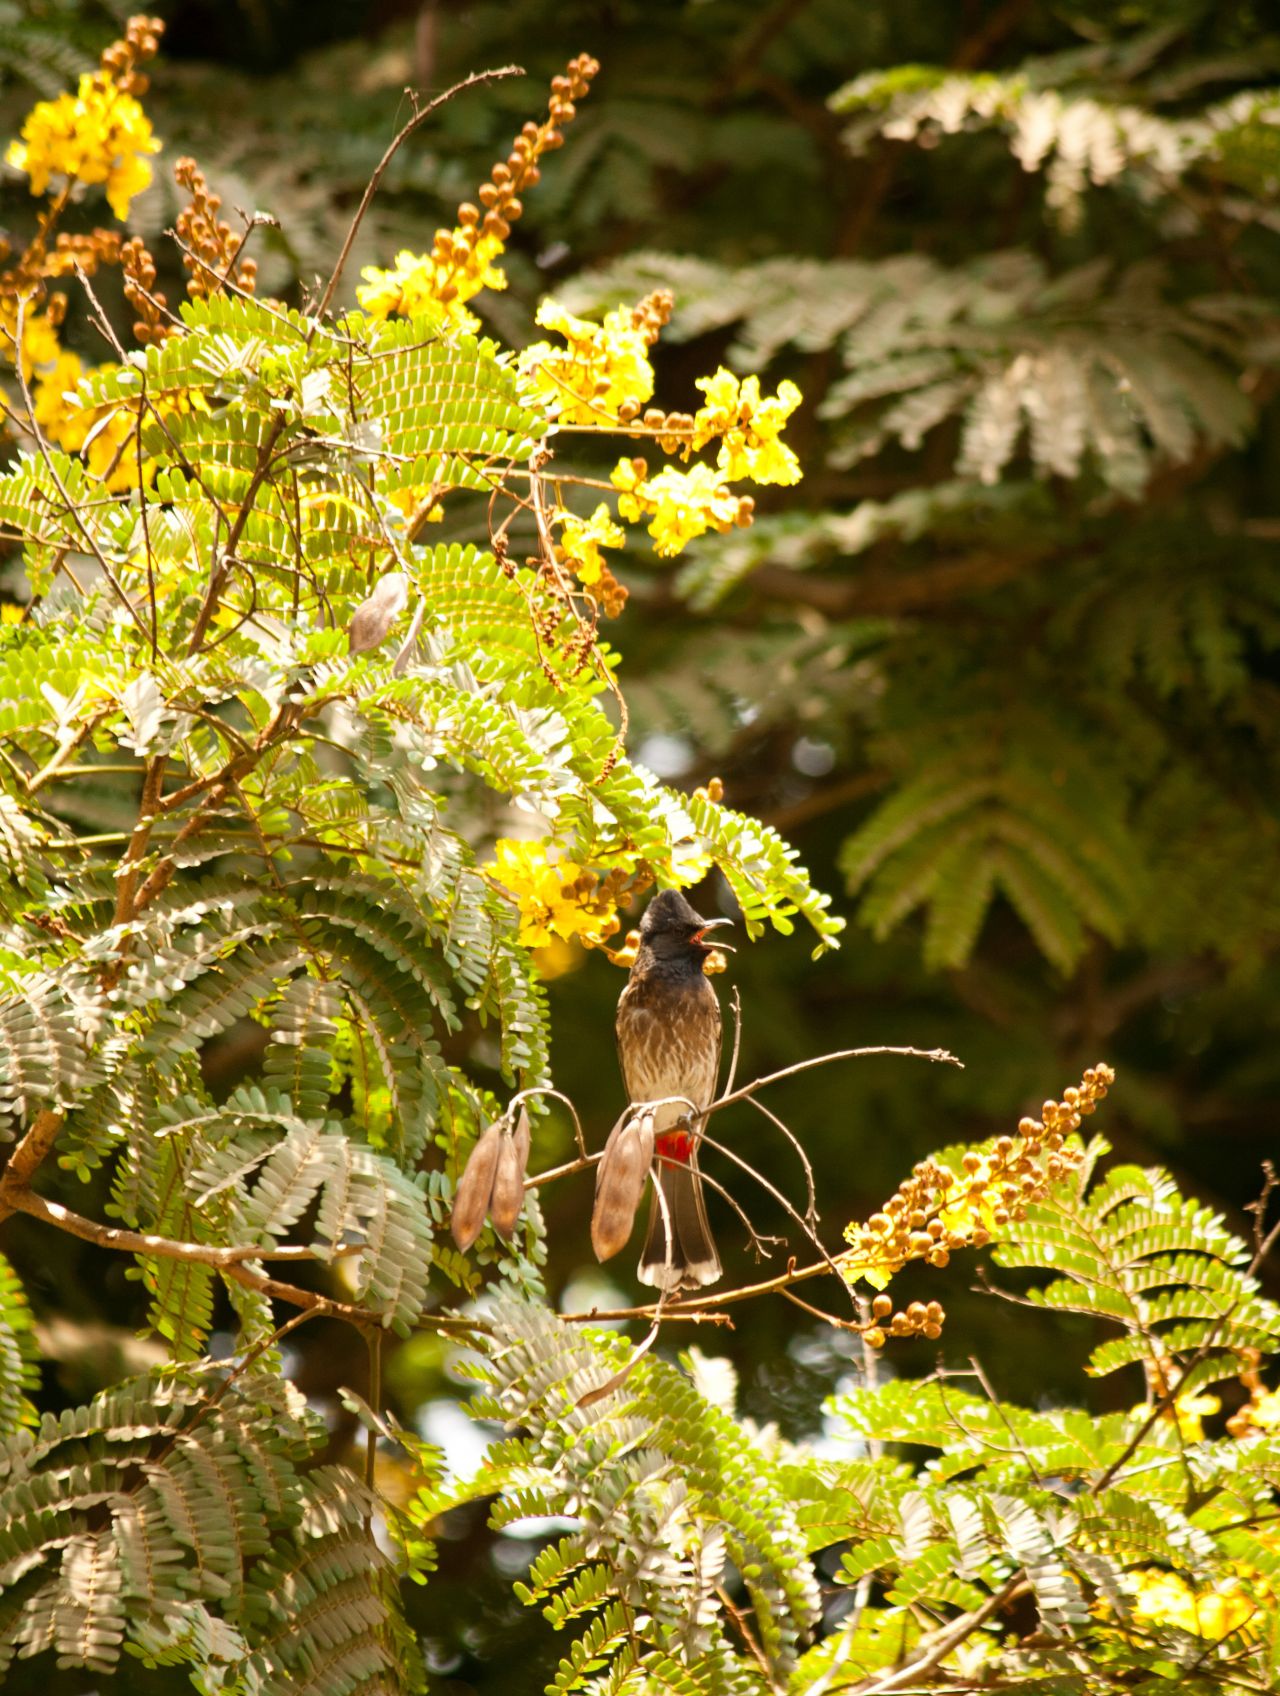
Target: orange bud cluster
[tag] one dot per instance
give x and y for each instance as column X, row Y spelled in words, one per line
column 454, row 251
column 72, row 253
column 1261, row 1413
column 673, row 431
column 140, row 291
column 920, row 1319
column 711, row 790
column 27, row 276
column 210, row 242
column 936, row 1211
column 652, row 314
column 598, row 896
column 626, row 955
column 611, row 595
column 121, row 59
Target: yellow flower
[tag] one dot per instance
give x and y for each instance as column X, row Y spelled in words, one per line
column 49, row 398
column 681, row 504
column 1187, row 1412
column 40, row 344
column 443, row 279
column 103, row 436
column 1163, row 1598
column 556, row 898
column 748, row 427
column 603, row 367
column 1264, row 1410
column 581, row 540
column 98, row 135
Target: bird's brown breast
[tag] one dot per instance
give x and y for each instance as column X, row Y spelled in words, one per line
column 669, row 1042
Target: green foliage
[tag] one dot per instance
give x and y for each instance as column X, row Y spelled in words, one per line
column 663, row 1487
column 175, row 1519
column 306, row 869
column 18, row 1354
column 1161, row 1265
column 1030, row 391
column 1112, row 1531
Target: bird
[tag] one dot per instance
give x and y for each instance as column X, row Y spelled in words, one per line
column 668, row 1030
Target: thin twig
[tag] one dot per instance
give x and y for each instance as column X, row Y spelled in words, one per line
column 944, row 1643
column 72, row 508
column 811, row 1204
column 778, row 1196
column 476, row 80
column 735, row 1002
column 937, row 1054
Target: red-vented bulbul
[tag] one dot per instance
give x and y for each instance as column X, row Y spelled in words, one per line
column 669, row 1045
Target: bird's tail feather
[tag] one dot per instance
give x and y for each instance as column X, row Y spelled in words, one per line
column 679, row 1250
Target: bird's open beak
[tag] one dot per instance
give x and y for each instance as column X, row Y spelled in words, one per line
column 714, row 924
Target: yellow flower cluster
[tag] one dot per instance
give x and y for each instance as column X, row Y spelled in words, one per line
column 1188, row 1413
column 53, row 372
column 556, row 898
column 100, row 134
column 581, row 540
column 443, row 279
column 679, row 504
column 603, row 369
column 1163, row 1598
column 462, row 260
column 1262, row 1410
column 937, row 1211
column 40, row 344
column 748, row 427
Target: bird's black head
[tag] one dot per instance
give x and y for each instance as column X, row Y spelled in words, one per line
column 671, row 929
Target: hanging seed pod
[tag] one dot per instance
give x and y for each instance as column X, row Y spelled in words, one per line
column 620, row 1180
column 508, row 1181
column 475, row 1186
column 492, row 1182
column 372, row 620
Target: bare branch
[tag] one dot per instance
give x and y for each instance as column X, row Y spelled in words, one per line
column 232, row 1262
column 943, row 1643
column 937, row 1054
column 163, row 1248
column 26, row 1158
column 72, row 508
column 476, row 80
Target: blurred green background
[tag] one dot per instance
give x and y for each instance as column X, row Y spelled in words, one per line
column 1007, row 678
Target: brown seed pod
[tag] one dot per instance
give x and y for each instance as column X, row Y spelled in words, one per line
column 508, row 1180
column 620, row 1180
column 475, row 1186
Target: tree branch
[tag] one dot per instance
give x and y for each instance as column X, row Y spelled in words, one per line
column 477, row 79
column 26, row 1158
column 163, row 1248
column 230, row 1261
column 944, row 1643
